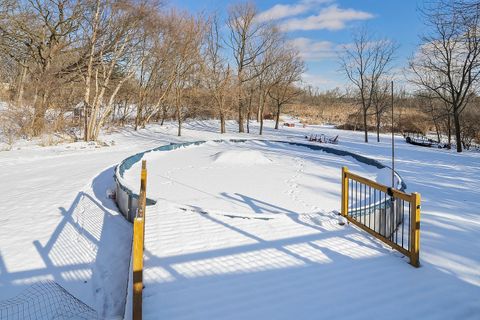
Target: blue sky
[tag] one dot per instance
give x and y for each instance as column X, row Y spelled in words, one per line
column 319, row 28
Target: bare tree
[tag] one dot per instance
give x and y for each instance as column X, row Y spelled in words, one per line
column 39, row 35
column 380, row 100
column 217, row 73
column 149, row 62
column 448, row 61
column 113, row 57
column 188, row 33
column 286, row 73
column 246, row 42
column 365, row 62
column 155, row 75
column 266, row 67
column 107, row 60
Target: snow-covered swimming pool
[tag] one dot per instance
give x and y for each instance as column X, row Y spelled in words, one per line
column 248, row 177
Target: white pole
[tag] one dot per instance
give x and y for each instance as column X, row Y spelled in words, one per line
column 393, row 146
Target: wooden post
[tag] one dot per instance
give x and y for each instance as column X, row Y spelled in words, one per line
column 142, row 198
column 138, row 245
column 138, row 225
column 415, row 231
column 344, row 192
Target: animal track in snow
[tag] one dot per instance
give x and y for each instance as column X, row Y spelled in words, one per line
column 293, row 191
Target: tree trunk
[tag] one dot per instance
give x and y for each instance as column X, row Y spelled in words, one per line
column 38, row 122
column 139, row 116
column 449, row 129
column 21, row 87
column 355, row 126
column 365, row 124
column 260, row 112
column 157, row 116
column 261, row 121
column 222, row 123
column 378, row 132
column 39, row 116
column 437, row 129
column 113, row 113
column 240, row 119
column 248, row 120
column 179, row 120
column 85, row 121
column 164, row 114
column 88, row 76
column 458, row 138
column 277, row 118
column 124, row 112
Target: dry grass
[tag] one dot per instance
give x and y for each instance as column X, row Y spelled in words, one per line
column 311, row 114
column 347, row 116
column 53, row 139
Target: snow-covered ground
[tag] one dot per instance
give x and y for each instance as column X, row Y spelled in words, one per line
column 239, row 177
column 58, row 223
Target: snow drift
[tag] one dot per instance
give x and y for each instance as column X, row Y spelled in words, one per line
column 240, row 157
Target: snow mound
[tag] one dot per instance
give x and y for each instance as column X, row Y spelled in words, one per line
column 240, row 157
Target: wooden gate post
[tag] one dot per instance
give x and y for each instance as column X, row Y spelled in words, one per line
column 344, row 192
column 415, row 230
column 143, row 186
column 137, row 267
column 142, row 198
column 138, row 245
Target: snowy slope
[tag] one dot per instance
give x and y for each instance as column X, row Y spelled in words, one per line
column 58, row 224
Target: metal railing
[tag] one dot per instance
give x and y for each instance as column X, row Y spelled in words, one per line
column 388, row 214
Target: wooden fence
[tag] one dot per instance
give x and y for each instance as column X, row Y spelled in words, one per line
column 390, row 215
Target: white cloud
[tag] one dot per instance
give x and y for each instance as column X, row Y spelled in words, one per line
column 320, row 82
column 305, row 15
column 329, row 18
column 311, row 50
column 280, row 11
